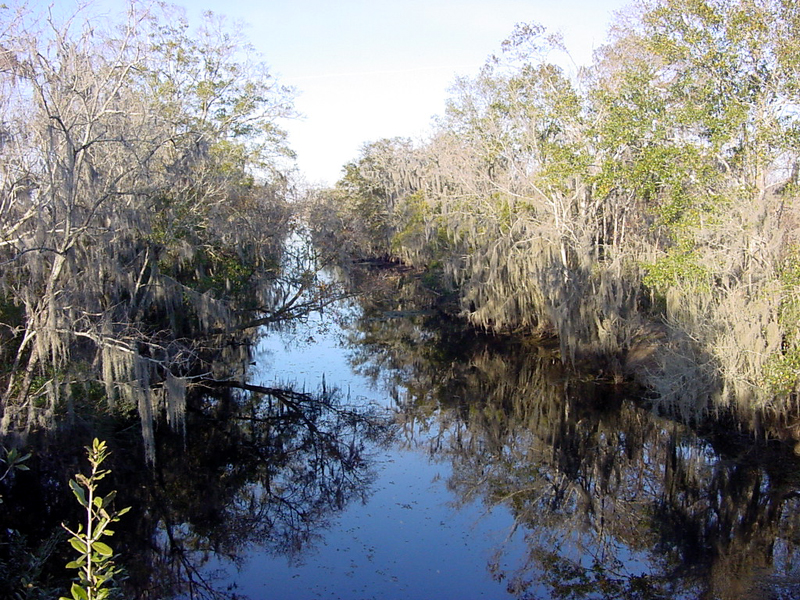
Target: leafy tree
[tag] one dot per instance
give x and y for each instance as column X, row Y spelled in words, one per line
column 363, row 215
column 723, row 74
column 142, row 209
column 650, row 197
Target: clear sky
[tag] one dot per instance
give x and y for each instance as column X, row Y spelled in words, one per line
column 368, row 69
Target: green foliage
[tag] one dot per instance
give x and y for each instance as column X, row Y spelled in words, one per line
column 220, row 271
column 417, row 237
column 678, row 267
column 161, row 203
column 13, row 460
column 209, row 80
column 96, row 569
column 782, row 370
column 550, row 199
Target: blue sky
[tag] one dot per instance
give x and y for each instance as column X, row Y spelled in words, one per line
column 365, row 70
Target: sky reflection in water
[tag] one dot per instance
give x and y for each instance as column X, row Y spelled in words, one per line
column 610, row 500
column 408, row 540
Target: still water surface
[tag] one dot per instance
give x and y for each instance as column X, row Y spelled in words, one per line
column 449, row 465
column 412, row 538
column 509, row 478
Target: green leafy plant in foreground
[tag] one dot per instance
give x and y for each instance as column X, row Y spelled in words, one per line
column 95, row 564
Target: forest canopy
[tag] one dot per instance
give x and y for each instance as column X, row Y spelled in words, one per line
column 643, row 211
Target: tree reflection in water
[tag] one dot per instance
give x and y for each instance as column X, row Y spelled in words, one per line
column 259, row 468
column 613, row 500
column 263, row 467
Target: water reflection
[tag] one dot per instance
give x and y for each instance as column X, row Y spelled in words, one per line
column 258, row 467
column 266, row 467
column 613, row 501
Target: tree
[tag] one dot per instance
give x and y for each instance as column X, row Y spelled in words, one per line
column 650, row 197
column 699, row 103
column 503, row 196
column 143, row 202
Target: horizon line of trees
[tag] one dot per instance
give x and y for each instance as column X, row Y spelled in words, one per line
column 644, row 211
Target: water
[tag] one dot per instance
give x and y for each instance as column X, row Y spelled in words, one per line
column 510, row 478
column 506, row 477
column 409, row 539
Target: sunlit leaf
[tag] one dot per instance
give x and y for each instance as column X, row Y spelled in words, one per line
column 102, row 549
column 78, row 593
column 76, row 564
column 78, row 544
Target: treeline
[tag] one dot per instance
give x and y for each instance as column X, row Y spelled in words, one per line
column 144, row 180
column 643, row 210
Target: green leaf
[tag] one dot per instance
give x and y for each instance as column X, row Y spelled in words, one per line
column 101, row 525
column 109, row 498
column 79, row 492
column 101, row 578
column 102, row 549
column 78, row 593
column 78, row 544
column 76, row 564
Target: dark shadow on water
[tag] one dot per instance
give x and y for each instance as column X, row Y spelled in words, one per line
column 266, row 469
column 613, row 500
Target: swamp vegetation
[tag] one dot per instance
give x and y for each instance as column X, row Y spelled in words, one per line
column 642, row 211
column 145, row 208
column 587, row 305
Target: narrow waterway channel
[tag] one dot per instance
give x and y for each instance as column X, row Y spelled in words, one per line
column 384, row 450
column 411, row 537
column 509, row 478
